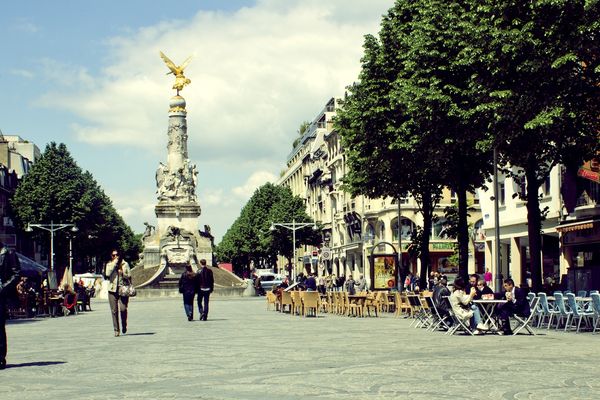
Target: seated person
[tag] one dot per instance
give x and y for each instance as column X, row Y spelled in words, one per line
column 463, row 307
column 70, row 299
column 516, row 304
column 440, row 291
column 311, row 283
column 483, row 291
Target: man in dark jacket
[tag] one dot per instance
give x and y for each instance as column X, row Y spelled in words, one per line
column 206, row 285
column 9, row 276
column 516, row 304
column 440, row 299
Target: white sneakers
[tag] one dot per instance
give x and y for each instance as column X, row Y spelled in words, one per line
column 483, row 327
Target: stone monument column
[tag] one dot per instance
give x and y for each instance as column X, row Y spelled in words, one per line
column 177, row 239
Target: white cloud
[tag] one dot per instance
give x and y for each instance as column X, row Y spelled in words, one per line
column 23, row 73
column 255, row 180
column 25, row 25
column 257, row 73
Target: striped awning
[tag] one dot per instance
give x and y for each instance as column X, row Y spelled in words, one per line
column 577, row 226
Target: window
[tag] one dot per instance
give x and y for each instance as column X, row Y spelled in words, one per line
column 501, row 194
column 546, row 187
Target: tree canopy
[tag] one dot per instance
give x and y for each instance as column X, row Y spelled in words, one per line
column 446, row 82
column 250, row 237
column 57, row 190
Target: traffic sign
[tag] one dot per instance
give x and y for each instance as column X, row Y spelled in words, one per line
column 326, row 253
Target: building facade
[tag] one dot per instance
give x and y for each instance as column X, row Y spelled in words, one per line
column 356, row 227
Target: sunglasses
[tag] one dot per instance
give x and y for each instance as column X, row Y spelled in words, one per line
column 114, row 254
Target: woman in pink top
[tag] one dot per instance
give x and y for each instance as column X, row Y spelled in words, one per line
column 488, row 277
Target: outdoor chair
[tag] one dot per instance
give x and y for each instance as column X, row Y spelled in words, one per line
column 416, row 310
column 577, row 313
column 69, row 305
column 582, row 293
column 271, row 300
column 371, row 303
column 563, row 314
column 296, row 303
column 457, row 324
column 525, row 322
column 546, row 312
column 310, row 301
column 286, row 300
column 437, row 320
column 354, row 308
column 596, row 309
column 384, row 303
column 404, row 305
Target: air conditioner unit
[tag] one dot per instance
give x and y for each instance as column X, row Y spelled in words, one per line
column 8, row 222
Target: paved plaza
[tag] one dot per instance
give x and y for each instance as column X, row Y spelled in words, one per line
column 246, row 352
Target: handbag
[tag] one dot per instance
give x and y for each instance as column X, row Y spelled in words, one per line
column 127, row 290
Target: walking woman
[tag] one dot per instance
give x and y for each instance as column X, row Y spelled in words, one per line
column 118, row 273
column 187, row 287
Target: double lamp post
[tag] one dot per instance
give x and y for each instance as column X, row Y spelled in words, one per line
column 293, row 226
column 52, row 227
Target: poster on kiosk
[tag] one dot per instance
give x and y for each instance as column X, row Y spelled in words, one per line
column 384, row 270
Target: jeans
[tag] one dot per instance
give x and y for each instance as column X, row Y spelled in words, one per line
column 188, row 304
column 203, row 296
column 476, row 318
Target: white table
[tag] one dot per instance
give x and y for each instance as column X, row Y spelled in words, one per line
column 488, row 306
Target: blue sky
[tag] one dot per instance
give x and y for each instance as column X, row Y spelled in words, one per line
column 88, row 74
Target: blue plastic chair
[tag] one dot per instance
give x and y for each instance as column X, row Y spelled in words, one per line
column 594, row 292
column 582, row 293
column 596, row 309
column 546, row 310
column 577, row 312
column 563, row 313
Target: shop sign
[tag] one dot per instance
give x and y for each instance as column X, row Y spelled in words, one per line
column 384, row 272
column 441, row 246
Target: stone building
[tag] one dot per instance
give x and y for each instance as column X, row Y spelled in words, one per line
column 353, row 227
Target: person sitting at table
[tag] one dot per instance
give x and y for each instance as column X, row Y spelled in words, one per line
column 516, row 304
column 473, row 279
column 483, row 291
column 440, row 293
column 311, row 283
column 463, row 307
column 361, row 283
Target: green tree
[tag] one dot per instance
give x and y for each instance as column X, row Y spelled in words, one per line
column 250, row 239
column 57, row 190
column 539, row 72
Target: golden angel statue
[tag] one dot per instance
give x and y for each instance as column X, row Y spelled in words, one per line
column 180, row 79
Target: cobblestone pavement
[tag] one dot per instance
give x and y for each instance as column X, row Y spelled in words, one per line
column 246, row 352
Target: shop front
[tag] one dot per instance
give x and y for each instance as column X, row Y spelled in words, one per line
column 580, row 245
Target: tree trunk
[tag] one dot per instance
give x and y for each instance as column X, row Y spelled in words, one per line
column 427, row 210
column 463, row 231
column 534, row 226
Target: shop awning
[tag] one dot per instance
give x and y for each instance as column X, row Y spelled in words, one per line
column 577, row 226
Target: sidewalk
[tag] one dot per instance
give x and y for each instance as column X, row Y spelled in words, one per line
column 246, row 352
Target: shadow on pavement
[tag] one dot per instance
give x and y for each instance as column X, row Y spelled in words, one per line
column 35, row 364
column 140, row 334
column 21, row 321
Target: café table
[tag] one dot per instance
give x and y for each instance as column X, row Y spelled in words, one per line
column 488, row 306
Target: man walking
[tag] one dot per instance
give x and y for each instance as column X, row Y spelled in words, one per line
column 9, row 276
column 206, row 285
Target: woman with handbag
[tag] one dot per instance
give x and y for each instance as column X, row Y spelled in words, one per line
column 119, row 275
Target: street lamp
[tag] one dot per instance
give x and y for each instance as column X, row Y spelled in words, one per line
column 293, row 226
column 52, row 227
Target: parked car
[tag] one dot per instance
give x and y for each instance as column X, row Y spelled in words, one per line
column 268, row 281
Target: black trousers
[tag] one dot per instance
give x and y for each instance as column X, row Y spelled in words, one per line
column 203, row 296
column 3, row 348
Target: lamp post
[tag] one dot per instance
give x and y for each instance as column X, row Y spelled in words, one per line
column 293, row 226
column 52, row 227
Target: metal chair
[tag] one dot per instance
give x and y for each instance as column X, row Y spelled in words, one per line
column 525, row 322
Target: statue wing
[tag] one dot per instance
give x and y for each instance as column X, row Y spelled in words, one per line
column 169, row 63
column 185, row 63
